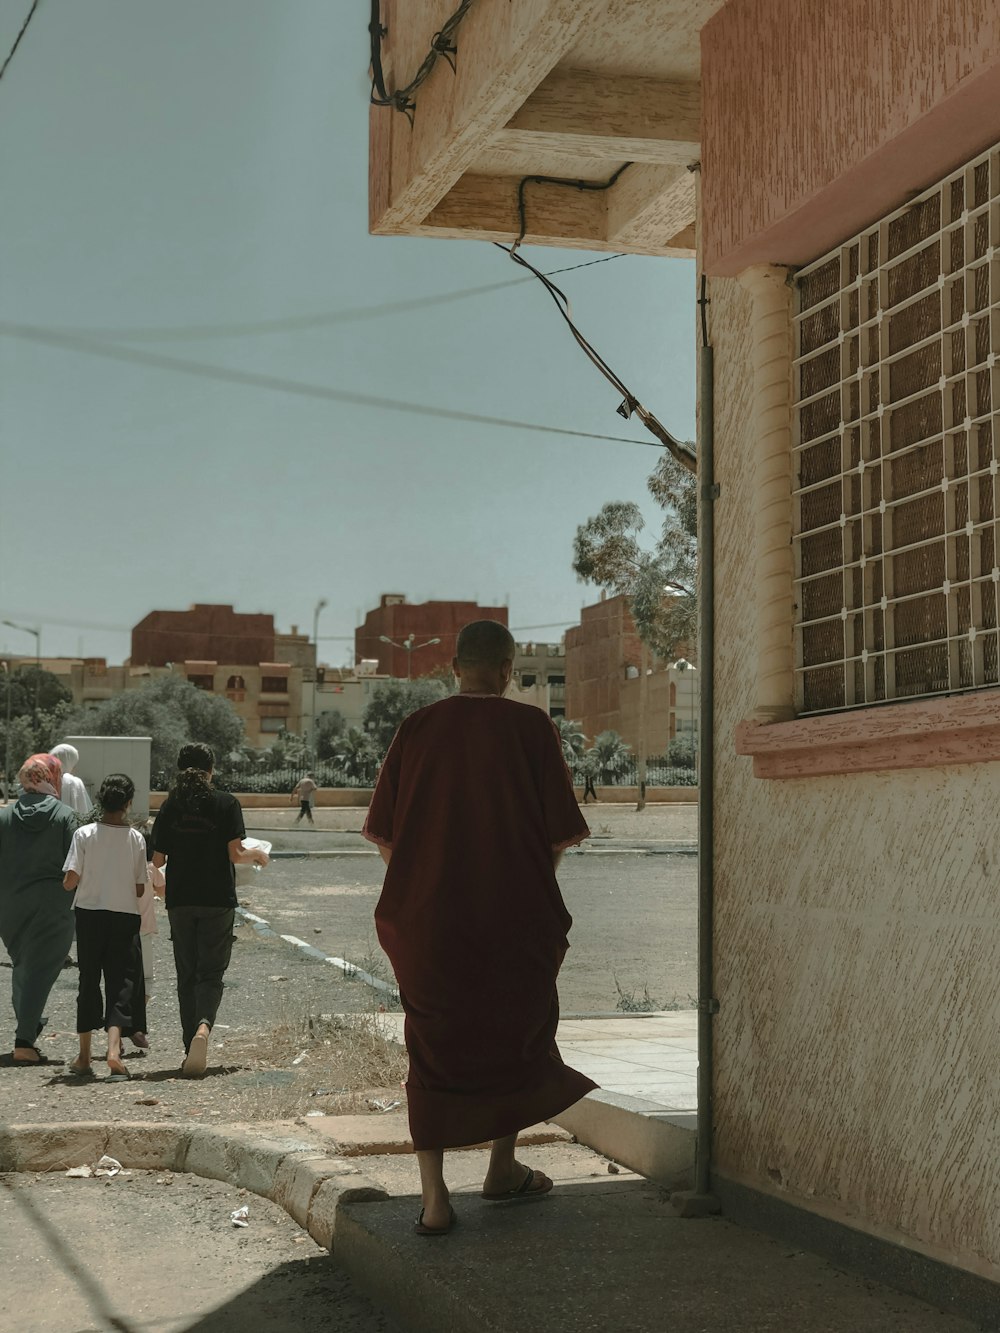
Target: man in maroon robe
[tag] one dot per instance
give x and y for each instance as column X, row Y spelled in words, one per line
column 473, row 809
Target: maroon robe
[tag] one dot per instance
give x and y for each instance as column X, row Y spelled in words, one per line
column 473, row 798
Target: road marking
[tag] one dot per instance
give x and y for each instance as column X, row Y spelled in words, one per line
column 350, row 970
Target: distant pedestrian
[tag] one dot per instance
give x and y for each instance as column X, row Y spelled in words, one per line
column 106, row 866
column 36, row 917
column 198, row 835
column 588, row 785
column 305, row 790
column 74, row 793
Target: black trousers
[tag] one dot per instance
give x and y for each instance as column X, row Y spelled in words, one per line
column 203, row 944
column 305, row 809
column 107, row 948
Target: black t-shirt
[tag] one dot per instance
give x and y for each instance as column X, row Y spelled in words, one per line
column 199, row 872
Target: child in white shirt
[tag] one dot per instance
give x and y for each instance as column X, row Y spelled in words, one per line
column 106, row 866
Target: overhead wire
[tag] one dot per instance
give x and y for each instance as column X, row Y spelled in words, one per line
column 292, row 323
column 17, row 39
column 682, row 452
column 278, row 384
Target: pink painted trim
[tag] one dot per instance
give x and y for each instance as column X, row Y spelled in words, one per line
column 798, row 214
column 963, row 729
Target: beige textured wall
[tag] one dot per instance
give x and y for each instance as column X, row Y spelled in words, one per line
column 857, row 946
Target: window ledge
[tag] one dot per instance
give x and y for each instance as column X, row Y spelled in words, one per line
column 962, row 729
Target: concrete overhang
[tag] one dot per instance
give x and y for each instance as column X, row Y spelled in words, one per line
column 602, row 94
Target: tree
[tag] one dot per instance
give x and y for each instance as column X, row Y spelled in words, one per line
column 571, row 737
column 393, row 701
column 329, row 726
column 610, row 753
column 172, row 712
column 31, row 730
column 356, row 754
column 681, row 751
column 660, row 582
column 28, row 683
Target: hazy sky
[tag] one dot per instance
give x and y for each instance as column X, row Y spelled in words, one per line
column 168, row 168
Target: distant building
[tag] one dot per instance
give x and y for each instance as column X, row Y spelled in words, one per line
column 410, row 626
column 540, row 677
column 603, row 687
column 206, row 633
column 270, row 678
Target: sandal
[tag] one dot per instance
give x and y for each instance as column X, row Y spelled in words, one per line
column 533, row 1186
column 80, row 1072
column 8, row 1062
column 423, row 1230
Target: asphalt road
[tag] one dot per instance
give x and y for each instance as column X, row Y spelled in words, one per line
column 634, row 920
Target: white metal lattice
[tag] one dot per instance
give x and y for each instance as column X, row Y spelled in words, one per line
column 896, row 399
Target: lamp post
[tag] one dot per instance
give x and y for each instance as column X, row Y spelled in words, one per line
column 682, row 665
column 312, row 725
column 408, row 647
column 6, row 746
column 26, row 629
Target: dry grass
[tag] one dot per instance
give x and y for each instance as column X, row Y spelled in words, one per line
column 329, row 1062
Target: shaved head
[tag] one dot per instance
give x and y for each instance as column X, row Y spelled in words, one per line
column 484, row 643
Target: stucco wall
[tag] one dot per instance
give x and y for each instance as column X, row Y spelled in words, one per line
column 820, row 117
column 857, row 946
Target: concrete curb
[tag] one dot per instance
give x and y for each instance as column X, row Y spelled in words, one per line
column 308, row 1183
column 654, row 1143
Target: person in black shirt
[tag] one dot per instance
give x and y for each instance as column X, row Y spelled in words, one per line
column 198, row 835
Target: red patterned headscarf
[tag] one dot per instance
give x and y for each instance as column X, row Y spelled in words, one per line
column 41, row 773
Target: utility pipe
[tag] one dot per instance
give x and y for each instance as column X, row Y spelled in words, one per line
column 700, row 1201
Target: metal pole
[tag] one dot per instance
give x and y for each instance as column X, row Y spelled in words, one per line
column 6, row 753
column 700, row 1201
column 38, row 666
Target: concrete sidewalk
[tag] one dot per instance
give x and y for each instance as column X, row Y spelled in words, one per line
column 650, row 1057
column 605, row 1250
column 602, row 1252
column 657, row 824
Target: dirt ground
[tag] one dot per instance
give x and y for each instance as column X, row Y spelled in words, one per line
column 150, row 1250
column 278, row 1006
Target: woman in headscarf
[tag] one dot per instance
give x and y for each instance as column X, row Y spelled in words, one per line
column 36, row 916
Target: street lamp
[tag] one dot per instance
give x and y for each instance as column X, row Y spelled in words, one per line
column 6, row 747
column 318, row 608
column 682, row 665
column 26, row 629
column 408, row 647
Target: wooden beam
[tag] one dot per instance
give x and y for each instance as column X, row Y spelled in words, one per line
column 649, row 206
column 585, row 114
column 504, row 52
column 485, row 208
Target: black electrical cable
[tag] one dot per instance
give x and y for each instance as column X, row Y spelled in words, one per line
column 558, row 180
column 442, row 44
column 682, row 452
column 17, row 39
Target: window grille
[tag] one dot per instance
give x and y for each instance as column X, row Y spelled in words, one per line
column 895, row 467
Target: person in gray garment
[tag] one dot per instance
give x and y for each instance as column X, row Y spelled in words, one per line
column 36, row 917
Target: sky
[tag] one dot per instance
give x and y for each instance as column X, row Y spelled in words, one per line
column 184, row 212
